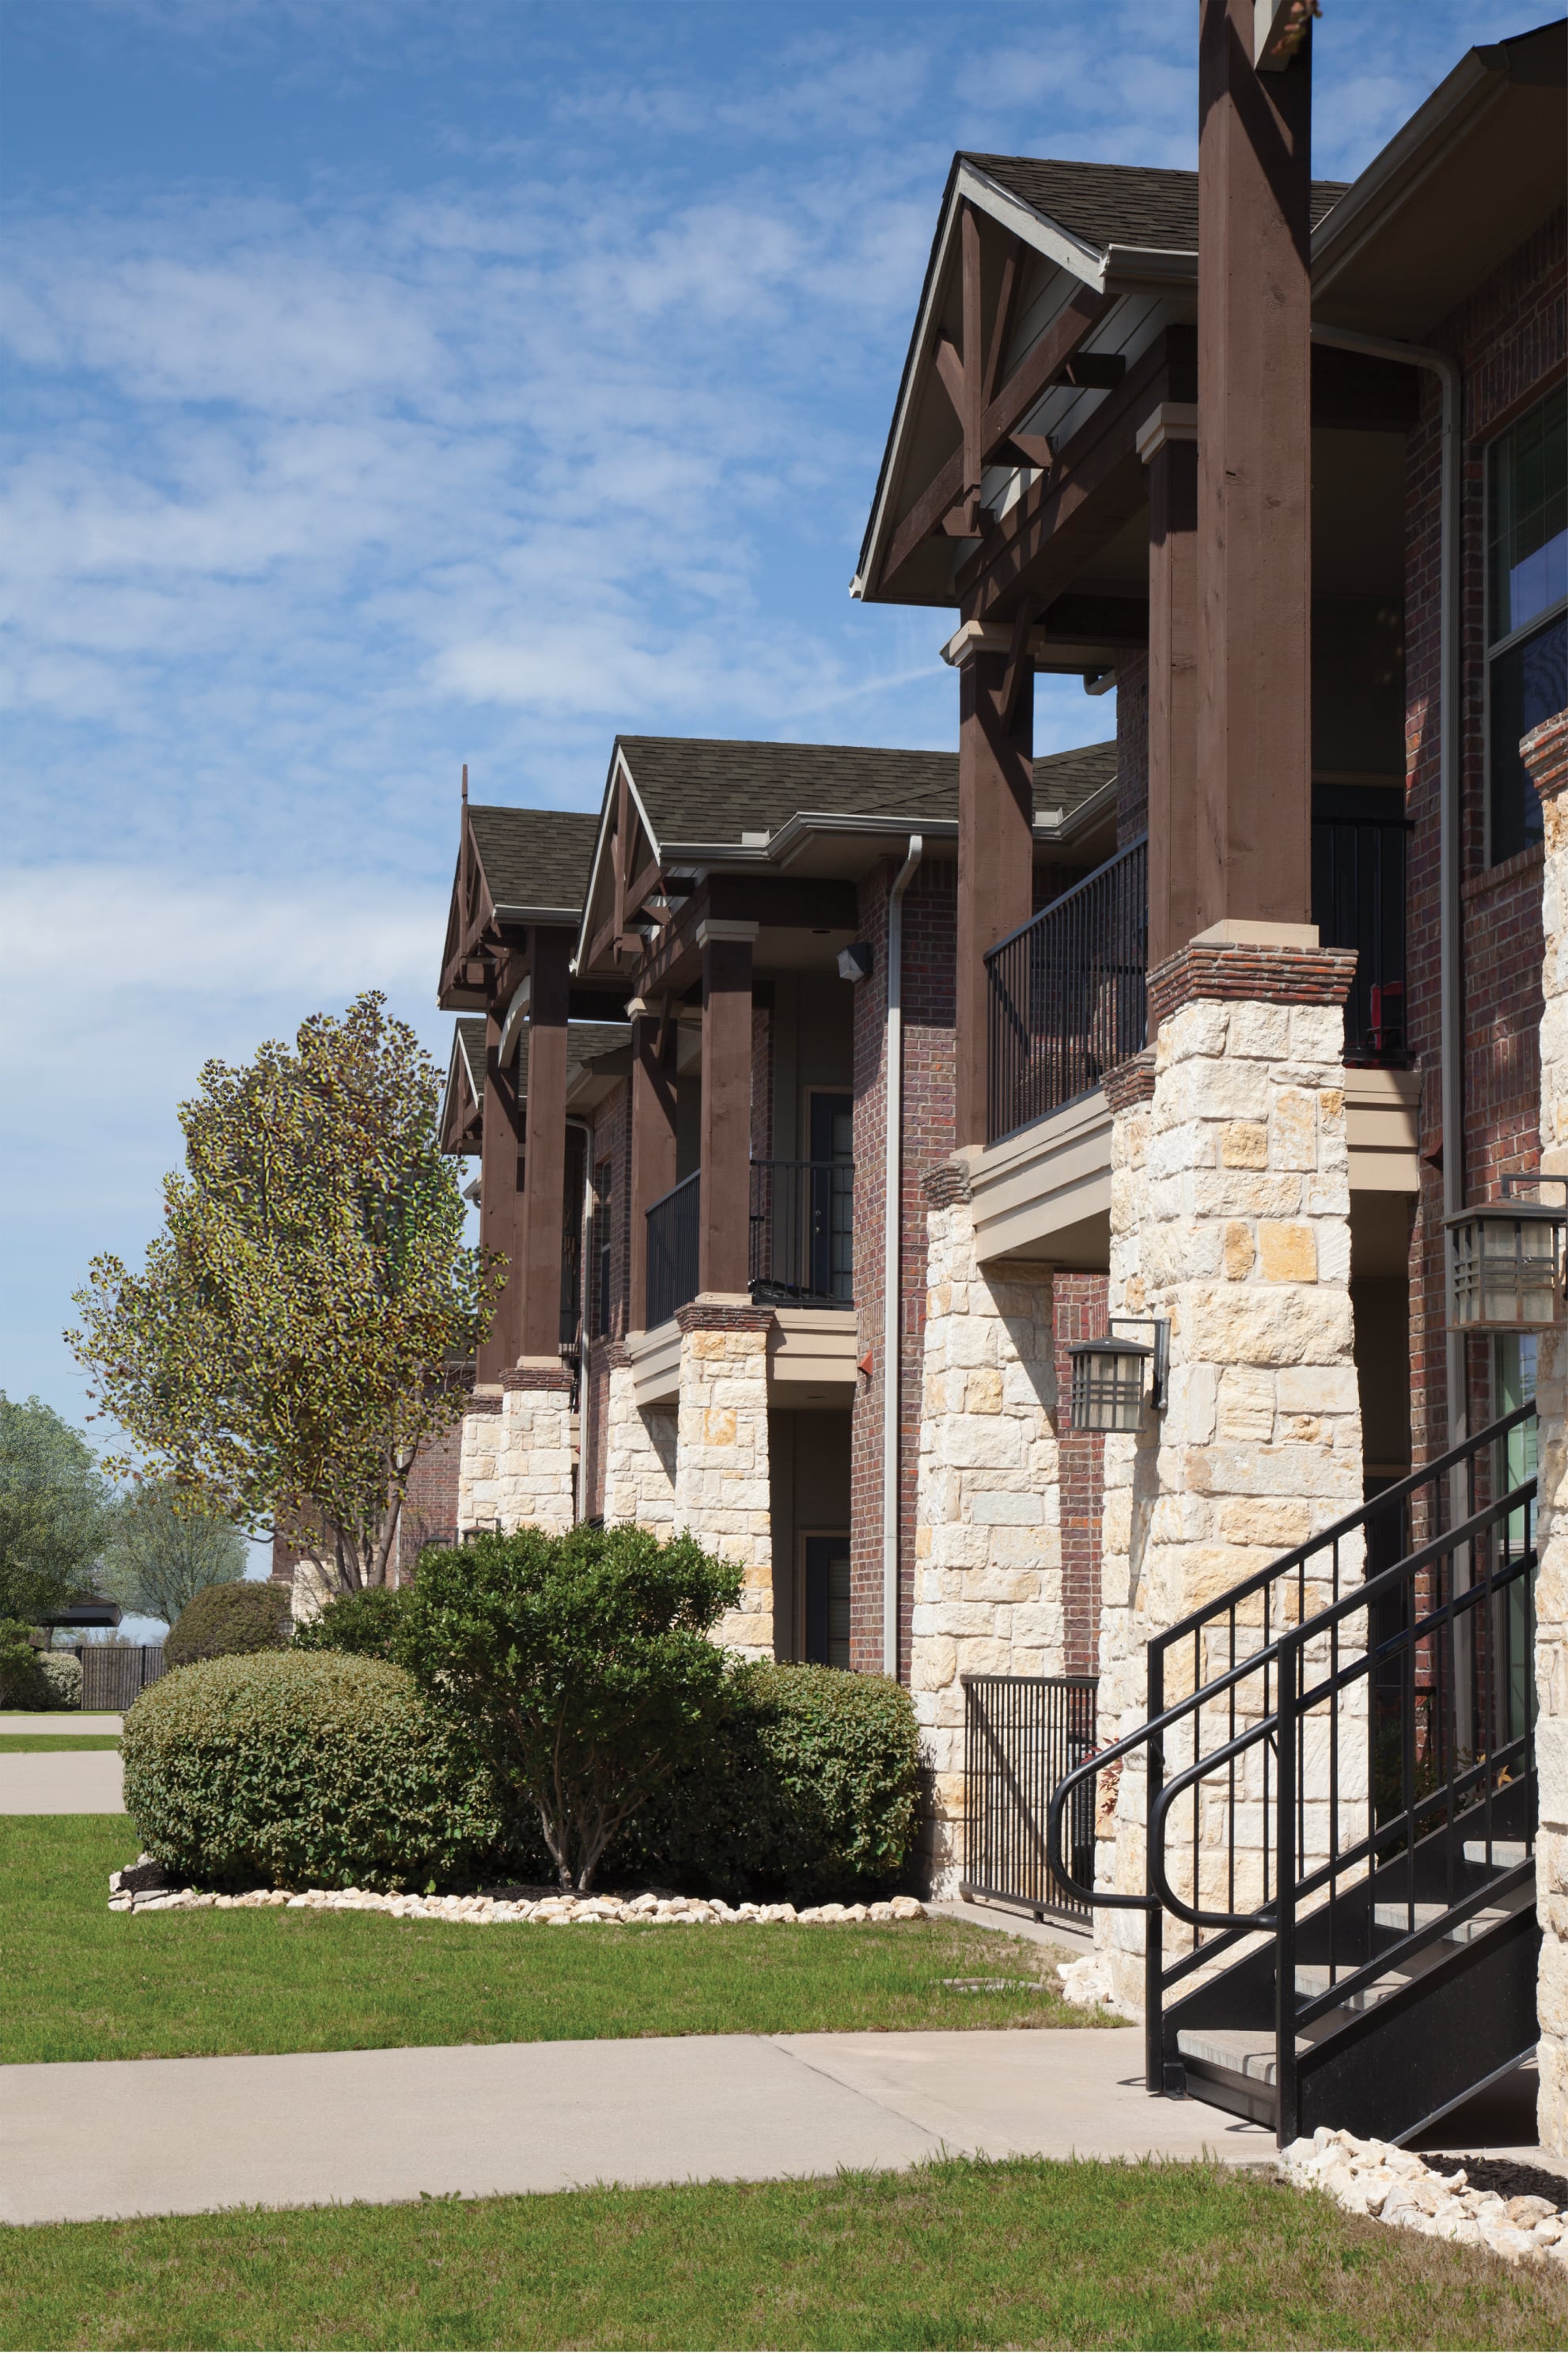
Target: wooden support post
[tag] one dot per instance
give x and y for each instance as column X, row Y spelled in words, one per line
column 723, row 1256
column 653, row 1151
column 500, row 1198
column 995, row 853
column 544, row 1148
column 1254, row 477
column 1168, row 446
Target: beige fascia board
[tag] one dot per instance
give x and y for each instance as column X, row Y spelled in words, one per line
column 1050, row 1180
column 1397, row 171
column 654, row 1359
column 812, row 1348
column 1382, row 1114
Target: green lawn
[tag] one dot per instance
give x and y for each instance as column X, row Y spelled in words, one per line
column 1023, row 2254
column 78, row 1981
column 19, row 1744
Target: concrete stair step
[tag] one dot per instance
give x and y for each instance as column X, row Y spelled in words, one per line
column 1245, row 2051
column 1504, row 1854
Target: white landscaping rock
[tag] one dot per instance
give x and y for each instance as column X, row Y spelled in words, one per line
column 562, row 1911
column 1372, row 2178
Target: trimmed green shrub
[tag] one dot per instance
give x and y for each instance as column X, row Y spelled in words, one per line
column 62, row 1678
column 21, row 1684
column 371, row 1624
column 583, row 1666
column 286, row 1770
column 808, row 1790
column 229, row 1621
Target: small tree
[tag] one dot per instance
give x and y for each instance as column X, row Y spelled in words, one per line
column 55, row 1509
column 287, row 1348
column 581, row 1664
column 166, row 1546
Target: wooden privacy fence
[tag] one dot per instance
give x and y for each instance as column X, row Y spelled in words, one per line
column 112, row 1673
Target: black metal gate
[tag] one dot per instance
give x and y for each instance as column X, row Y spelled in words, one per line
column 1022, row 1735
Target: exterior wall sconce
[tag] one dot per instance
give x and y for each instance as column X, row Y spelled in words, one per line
column 1506, row 1257
column 855, row 962
column 1108, row 1391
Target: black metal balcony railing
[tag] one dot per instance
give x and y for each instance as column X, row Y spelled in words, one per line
column 802, row 1231
column 672, row 1247
column 1358, row 902
column 1066, row 993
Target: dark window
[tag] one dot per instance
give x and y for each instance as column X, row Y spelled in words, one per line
column 601, row 1248
column 1526, row 609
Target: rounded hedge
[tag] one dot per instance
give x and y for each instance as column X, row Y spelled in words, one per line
column 292, row 1769
column 809, row 1790
column 229, row 1621
column 368, row 1625
column 62, row 1678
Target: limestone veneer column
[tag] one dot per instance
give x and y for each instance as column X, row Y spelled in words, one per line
column 1545, row 752
column 988, row 1570
column 533, row 1457
column 1231, row 1210
column 722, row 1492
column 478, row 1489
column 639, row 1454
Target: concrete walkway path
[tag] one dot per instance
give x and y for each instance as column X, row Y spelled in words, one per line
column 69, row 1722
column 75, row 1781
column 81, row 2140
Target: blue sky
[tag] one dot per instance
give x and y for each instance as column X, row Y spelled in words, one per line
column 392, row 385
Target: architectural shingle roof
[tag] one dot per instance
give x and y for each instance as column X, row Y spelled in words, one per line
column 703, row 791
column 471, row 1046
column 1117, row 204
column 536, row 858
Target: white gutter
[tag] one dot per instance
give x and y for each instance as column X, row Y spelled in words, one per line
column 892, row 1214
column 1451, row 1000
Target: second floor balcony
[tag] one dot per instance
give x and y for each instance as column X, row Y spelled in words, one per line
column 1068, row 994
column 801, row 1237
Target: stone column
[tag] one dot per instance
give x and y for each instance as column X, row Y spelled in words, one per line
column 532, row 1477
column 479, row 1486
column 1231, row 1220
column 723, row 1495
column 988, row 1593
column 639, row 1454
column 1545, row 752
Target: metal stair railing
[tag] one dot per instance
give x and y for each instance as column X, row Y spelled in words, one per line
column 1366, row 1741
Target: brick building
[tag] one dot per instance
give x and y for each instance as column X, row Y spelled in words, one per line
column 1218, row 1027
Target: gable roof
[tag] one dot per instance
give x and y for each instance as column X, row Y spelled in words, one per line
column 535, row 861
column 1106, row 205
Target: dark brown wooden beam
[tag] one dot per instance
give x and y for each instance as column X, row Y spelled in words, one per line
column 950, row 373
column 995, row 857
column 544, row 1148
column 500, row 1189
column 1001, row 325
column 1041, row 367
column 1255, row 477
column 1099, row 620
column 723, row 1255
column 653, row 1104
column 637, row 890
column 1172, row 634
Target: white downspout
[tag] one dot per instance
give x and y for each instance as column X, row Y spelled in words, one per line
column 585, row 1291
column 893, row 1212
column 1451, row 1003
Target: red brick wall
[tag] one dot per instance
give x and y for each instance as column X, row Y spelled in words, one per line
column 1081, row 1306
column 1511, row 339
column 929, row 953
column 430, row 1512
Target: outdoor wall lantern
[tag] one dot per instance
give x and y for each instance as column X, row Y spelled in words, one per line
column 855, row 961
column 1107, row 1375
column 1506, row 1257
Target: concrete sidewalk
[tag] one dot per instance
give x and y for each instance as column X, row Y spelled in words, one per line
column 62, row 1726
column 81, row 2140
column 76, row 1781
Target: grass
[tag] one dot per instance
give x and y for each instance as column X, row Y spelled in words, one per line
column 21, row 1744
column 78, row 1981
column 956, row 2254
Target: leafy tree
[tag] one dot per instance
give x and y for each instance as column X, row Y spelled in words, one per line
column 55, row 1509
column 166, row 1546
column 286, row 1347
column 580, row 1665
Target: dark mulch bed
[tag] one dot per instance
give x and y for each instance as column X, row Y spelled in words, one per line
column 1503, row 2175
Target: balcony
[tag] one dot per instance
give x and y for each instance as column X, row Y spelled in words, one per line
column 803, row 1232
column 1067, row 994
column 1358, row 902
column 802, row 1238
column 674, row 1229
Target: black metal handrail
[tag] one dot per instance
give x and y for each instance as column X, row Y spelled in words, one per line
column 1021, row 1734
column 673, row 1238
column 802, row 1238
column 1347, row 1720
column 1067, row 994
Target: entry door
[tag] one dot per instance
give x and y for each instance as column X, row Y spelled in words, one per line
column 832, row 1235
column 828, row 1600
